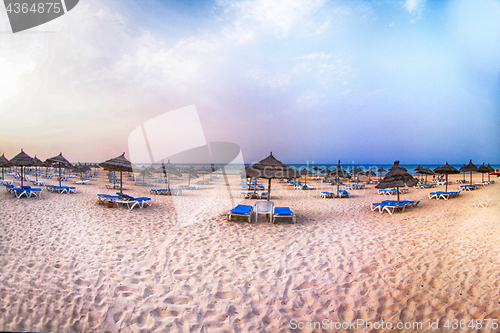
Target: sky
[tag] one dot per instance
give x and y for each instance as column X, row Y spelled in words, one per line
column 312, row 81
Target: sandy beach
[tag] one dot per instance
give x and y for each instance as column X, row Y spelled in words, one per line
column 71, row 265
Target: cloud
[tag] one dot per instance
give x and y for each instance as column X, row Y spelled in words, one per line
column 279, row 16
column 414, row 7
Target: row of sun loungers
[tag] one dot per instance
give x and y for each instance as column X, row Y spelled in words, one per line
column 61, row 189
column 342, row 194
column 355, row 186
column 254, row 195
column 393, row 191
column 166, row 191
column 262, row 207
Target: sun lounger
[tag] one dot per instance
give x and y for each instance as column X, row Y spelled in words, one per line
column 283, row 212
column 468, row 187
column 326, row 195
column 250, row 195
column 132, row 202
column 443, row 195
column 264, row 195
column 344, row 194
column 27, row 192
column 115, row 187
column 61, row 189
column 306, row 187
column 264, row 207
column 390, row 206
column 82, row 182
column 104, row 198
column 388, row 192
column 190, row 187
column 241, row 210
column 158, row 191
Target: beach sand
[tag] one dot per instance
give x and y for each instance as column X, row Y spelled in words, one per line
column 70, row 265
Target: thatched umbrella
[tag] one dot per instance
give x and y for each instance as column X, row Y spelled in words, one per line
column 446, row 170
column 205, row 170
column 191, row 173
column 304, row 172
column 397, row 177
column 5, row 163
column 380, row 170
column 424, row 171
column 61, row 161
column 490, row 169
column 339, row 172
column 318, row 170
column 462, row 168
column 37, row 163
column 483, row 169
column 370, row 173
column 469, row 168
column 357, row 171
column 119, row 163
column 326, row 172
column 271, row 168
column 22, row 159
column 170, row 169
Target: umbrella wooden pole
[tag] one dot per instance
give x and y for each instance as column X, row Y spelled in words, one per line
column 471, row 177
column 22, row 177
column 269, row 190
column 397, row 189
column 121, row 182
column 338, row 185
column 59, row 174
column 446, row 182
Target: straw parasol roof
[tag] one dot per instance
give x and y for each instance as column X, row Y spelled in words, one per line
column 3, row 161
column 22, row 159
column 469, row 168
column 169, row 168
column 37, row 163
column 191, row 173
column 483, row 169
column 119, row 163
column 490, row 169
column 271, row 168
column 397, row 177
column 339, row 172
column 380, row 170
column 446, row 170
column 304, row 172
column 370, row 173
column 357, row 171
column 61, row 161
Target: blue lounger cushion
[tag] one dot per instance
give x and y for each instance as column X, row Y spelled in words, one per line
column 241, row 209
column 282, row 211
